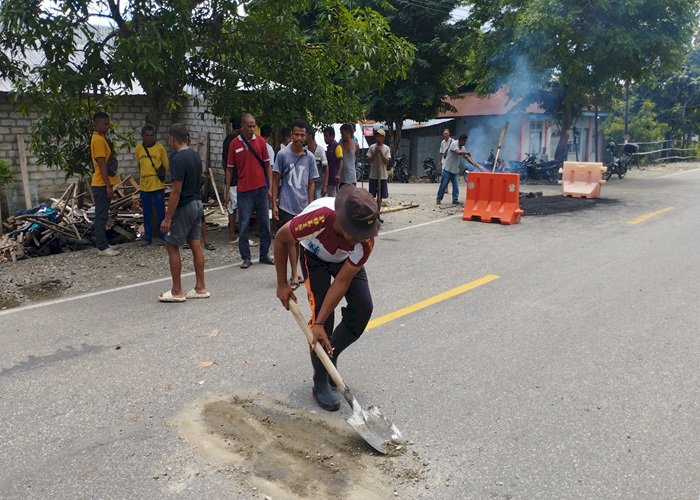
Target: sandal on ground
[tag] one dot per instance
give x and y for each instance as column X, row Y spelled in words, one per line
column 209, row 247
column 194, row 294
column 294, row 284
column 169, row 297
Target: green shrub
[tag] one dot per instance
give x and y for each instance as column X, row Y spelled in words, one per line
column 7, row 175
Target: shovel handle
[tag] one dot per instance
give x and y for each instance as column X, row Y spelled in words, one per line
column 322, row 355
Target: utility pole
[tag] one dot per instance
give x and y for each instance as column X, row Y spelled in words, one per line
column 627, row 105
column 595, row 124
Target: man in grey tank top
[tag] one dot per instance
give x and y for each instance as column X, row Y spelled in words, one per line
column 351, row 151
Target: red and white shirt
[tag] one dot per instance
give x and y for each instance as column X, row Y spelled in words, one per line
column 313, row 228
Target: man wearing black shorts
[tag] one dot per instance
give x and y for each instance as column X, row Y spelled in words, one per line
column 337, row 237
column 183, row 218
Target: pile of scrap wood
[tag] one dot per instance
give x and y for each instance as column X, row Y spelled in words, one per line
column 67, row 223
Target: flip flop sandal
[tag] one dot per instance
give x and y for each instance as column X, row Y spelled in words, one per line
column 209, row 247
column 194, row 294
column 169, row 297
column 294, row 284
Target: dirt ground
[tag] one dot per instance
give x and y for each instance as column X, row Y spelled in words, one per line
column 270, row 444
column 73, row 273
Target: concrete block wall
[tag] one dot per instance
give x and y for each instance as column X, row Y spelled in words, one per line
column 129, row 116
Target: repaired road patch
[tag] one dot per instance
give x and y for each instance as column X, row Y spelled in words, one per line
column 287, row 452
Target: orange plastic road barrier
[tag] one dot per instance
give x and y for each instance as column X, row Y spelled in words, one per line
column 582, row 179
column 493, row 197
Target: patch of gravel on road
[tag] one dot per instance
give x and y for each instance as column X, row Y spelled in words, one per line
column 72, row 273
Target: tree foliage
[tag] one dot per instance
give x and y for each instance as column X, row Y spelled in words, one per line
column 7, row 174
column 308, row 58
column 677, row 98
column 313, row 59
column 436, row 71
column 578, row 52
column 61, row 134
column 643, row 122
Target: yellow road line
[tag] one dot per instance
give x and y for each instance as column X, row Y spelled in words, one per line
column 648, row 216
column 430, row 301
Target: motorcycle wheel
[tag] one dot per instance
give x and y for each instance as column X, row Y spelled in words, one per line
column 609, row 172
column 553, row 176
column 523, row 177
column 621, row 174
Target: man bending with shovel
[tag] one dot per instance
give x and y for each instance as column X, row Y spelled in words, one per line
column 336, row 237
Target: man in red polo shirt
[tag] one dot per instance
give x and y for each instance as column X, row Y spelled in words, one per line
column 248, row 155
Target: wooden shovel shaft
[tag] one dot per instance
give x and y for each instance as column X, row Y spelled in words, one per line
column 498, row 148
column 322, row 355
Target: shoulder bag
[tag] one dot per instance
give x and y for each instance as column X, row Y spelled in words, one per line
column 255, row 153
column 160, row 171
column 112, row 163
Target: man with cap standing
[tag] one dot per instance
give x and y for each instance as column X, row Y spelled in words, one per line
column 337, row 237
column 378, row 156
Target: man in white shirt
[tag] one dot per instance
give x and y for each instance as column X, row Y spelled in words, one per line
column 444, row 146
column 319, row 152
column 450, row 169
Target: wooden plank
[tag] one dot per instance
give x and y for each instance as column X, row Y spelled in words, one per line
column 205, row 153
column 396, row 209
column 126, row 234
column 216, row 191
column 23, row 169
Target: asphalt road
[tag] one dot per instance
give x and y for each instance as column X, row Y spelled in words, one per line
column 574, row 374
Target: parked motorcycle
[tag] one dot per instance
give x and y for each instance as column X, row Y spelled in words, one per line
column 362, row 170
column 399, row 168
column 511, row 167
column 430, row 169
column 529, row 168
column 619, row 164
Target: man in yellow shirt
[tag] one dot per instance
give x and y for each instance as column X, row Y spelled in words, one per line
column 150, row 156
column 102, row 183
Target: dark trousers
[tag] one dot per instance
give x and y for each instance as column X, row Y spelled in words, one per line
column 356, row 314
column 99, row 194
column 149, row 200
column 250, row 202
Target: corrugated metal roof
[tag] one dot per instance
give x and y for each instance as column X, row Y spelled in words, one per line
column 35, row 58
column 410, row 124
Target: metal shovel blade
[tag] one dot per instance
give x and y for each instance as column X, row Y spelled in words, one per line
column 372, row 425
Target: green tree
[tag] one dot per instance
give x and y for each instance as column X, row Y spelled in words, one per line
column 61, row 134
column 436, row 73
column 7, row 175
column 264, row 60
column 313, row 59
column 677, row 98
column 568, row 54
column 643, row 122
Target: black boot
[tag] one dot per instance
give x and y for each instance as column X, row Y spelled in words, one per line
column 322, row 391
column 341, row 339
